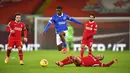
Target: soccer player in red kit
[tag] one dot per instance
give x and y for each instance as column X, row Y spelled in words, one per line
column 15, row 28
column 87, row 61
column 87, row 38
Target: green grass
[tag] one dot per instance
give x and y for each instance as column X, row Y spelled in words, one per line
column 32, row 59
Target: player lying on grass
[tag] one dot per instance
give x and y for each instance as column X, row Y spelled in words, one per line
column 60, row 19
column 87, row 61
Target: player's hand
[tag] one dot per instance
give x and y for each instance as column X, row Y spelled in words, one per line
column 115, row 60
column 25, row 39
column 12, row 31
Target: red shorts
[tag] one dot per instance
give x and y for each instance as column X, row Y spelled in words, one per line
column 12, row 43
column 88, row 41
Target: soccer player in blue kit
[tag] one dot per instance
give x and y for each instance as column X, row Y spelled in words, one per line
column 60, row 23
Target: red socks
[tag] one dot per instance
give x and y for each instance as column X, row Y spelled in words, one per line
column 90, row 51
column 20, row 53
column 67, row 60
column 8, row 52
column 82, row 52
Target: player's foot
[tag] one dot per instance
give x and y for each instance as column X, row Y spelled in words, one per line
column 61, row 64
column 57, row 63
column 64, row 50
column 6, row 59
column 21, row 62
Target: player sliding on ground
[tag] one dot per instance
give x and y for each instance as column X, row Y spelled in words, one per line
column 60, row 22
column 15, row 28
column 87, row 61
column 89, row 31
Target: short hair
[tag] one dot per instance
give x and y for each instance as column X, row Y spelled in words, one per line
column 92, row 15
column 58, row 8
column 17, row 14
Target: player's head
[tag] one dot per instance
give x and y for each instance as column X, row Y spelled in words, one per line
column 100, row 57
column 59, row 10
column 17, row 17
column 92, row 17
column 76, row 60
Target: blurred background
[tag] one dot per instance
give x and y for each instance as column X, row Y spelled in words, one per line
column 112, row 17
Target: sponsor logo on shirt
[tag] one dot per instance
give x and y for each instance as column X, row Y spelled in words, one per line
column 60, row 23
column 17, row 28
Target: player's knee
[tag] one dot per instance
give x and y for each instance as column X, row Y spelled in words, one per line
column 83, row 46
column 9, row 48
column 89, row 47
column 59, row 47
column 61, row 34
column 19, row 48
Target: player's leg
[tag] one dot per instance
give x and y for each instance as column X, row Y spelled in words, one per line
column 59, row 47
column 62, row 36
column 58, row 42
column 82, row 50
column 10, row 46
column 89, row 44
column 71, row 44
column 65, row 61
column 20, row 52
column 83, row 42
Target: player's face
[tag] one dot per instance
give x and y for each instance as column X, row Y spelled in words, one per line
column 18, row 18
column 100, row 57
column 59, row 12
column 91, row 18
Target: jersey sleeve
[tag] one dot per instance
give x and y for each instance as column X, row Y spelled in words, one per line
column 98, row 63
column 8, row 27
column 25, row 30
column 95, row 28
column 49, row 23
column 108, row 64
column 73, row 20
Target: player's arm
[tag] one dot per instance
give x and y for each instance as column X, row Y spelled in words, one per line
column 8, row 28
column 94, row 29
column 73, row 20
column 48, row 25
column 108, row 64
column 25, row 33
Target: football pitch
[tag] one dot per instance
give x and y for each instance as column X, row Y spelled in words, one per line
column 32, row 59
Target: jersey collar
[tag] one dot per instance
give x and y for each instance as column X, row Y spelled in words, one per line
column 60, row 16
column 91, row 22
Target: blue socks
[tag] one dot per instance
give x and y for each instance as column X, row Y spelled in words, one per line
column 64, row 44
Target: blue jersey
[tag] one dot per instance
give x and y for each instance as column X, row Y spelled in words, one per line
column 60, row 22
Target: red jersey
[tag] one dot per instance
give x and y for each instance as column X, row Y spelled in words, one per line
column 18, row 28
column 90, row 61
column 90, row 28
